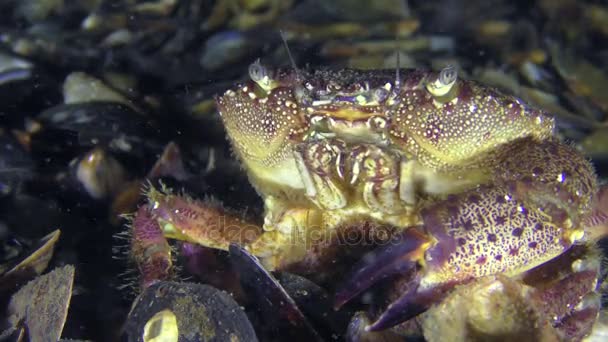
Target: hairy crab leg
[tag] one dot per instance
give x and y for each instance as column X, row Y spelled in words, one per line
column 170, row 216
column 149, row 248
column 565, row 290
column 298, row 235
column 207, row 224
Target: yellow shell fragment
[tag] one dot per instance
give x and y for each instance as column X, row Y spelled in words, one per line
column 162, row 327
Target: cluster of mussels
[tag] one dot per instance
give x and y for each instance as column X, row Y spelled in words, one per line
column 100, row 98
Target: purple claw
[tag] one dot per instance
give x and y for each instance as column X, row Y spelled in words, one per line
column 404, row 308
column 409, row 305
column 398, row 257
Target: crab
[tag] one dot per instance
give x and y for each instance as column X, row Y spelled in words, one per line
column 453, row 181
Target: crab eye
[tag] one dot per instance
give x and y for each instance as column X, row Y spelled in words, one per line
column 257, row 71
column 444, row 82
column 448, row 75
column 261, row 76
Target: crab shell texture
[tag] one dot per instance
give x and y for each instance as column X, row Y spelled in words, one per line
column 424, row 126
column 330, row 149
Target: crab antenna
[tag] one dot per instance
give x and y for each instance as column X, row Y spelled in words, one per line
column 397, row 78
column 293, row 62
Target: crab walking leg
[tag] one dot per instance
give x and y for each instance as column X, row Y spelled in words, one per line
column 149, row 248
column 293, row 238
column 551, row 177
column 572, row 303
column 206, row 224
column 170, row 216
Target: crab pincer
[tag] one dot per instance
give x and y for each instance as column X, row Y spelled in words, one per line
column 399, row 256
column 478, row 233
column 407, row 255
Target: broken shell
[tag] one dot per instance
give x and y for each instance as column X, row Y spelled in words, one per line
column 80, row 87
column 42, row 305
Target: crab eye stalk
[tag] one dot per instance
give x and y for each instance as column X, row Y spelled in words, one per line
column 444, row 83
column 261, row 76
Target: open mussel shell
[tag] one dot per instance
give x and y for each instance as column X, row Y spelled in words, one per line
column 316, row 303
column 281, row 317
column 171, row 311
column 29, row 266
column 90, row 124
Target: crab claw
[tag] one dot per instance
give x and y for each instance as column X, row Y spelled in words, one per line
column 412, row 303
column 400, row 256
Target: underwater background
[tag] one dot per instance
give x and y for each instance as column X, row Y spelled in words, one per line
column 99, row 98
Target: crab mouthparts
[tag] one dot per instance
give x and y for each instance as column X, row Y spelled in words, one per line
column 352, row 125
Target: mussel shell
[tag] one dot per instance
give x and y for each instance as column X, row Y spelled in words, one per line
column 199, row 313
column 280, row 316
column 82, row 126
column 316, row 304
column 29, row 266
column 98, row 174
column 88, row 180
column 13, row 334
column 25, row 90
column 227, row 48
column 348, row 10
column 16, row 165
